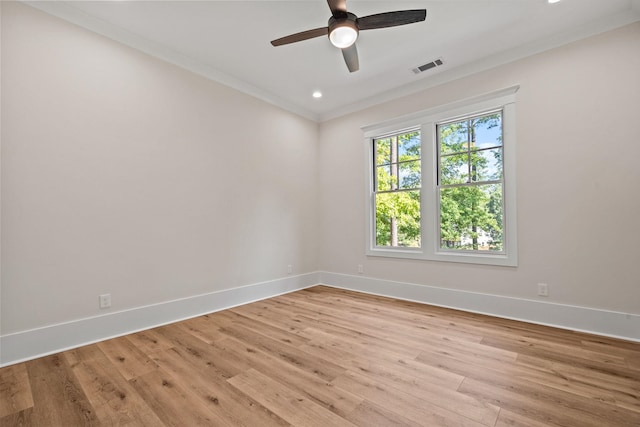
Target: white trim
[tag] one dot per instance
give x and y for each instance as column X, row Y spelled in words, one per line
column 0, row 175
column 582, row 319
column 26, row 345
column 444, row 111
column 535, row 47
column 503, row 99
column 70, row 14
column 509, row 257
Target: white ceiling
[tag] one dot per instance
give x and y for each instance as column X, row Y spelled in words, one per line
column 228, row 41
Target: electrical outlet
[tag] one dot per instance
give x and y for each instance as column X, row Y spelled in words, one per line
column 289, row 269
column 543, row 290
column 105, row 300
column 360, row 269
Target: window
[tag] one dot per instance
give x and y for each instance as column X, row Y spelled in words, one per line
column 397, row 189
column 442, row 183
column 470, row 183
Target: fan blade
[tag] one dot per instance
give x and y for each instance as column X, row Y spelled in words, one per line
column 391, row 19
column 350, row 55
column 304, row 35
column 338, row 7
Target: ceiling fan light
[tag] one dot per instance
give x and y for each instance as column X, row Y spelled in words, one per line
column 343, row 36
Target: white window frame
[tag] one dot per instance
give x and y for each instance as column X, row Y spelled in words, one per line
column 426, row 121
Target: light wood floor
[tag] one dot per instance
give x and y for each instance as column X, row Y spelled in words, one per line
column 327, row 357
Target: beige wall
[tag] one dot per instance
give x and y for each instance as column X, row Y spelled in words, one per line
column 578, row 179
column 123, row 174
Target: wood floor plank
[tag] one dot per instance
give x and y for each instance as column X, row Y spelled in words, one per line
column 149, row 341
column 413, row 332
column 128, row 359
column 57, row 394
column 557, row 352
column 292, row 406
column 410, row 371
column 294, row 355
column 18, row 419
column 565, row 384
column 347, row 315
column 205, row 356
column 210, row 386
column 369, row 414
column 114, row 400
column 510, row 419
column 309, row 385
column 422, row 388
column 385, row 365
column 173, row 404
column 264, row 328
column 201, row 327
column 606, row 345
column 406, row 313
column 83, row 354
column 15, row 391
column 543, row 403
column 488, row 382
column 360, row 344
column 265, row 313
column 402, row 403
column 621, row 390
column 309, row 327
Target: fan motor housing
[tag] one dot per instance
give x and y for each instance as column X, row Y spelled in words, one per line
column 349, row 20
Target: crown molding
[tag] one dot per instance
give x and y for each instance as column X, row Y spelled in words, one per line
column 80, row 18
column 530, row 49
column 114, row 32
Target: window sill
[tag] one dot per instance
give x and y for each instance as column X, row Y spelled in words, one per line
column 467, row 258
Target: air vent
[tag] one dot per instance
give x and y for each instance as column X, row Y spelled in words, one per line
column 427, row 66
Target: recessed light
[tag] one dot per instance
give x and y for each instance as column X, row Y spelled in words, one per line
column 317, row 94
column 552, row 1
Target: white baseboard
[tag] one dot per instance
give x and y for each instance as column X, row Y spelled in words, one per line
column 583, row 319
column 27, row 345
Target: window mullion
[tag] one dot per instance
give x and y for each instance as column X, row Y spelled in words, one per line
column 469, row 140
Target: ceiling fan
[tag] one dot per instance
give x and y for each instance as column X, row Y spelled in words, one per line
column 343, row 28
